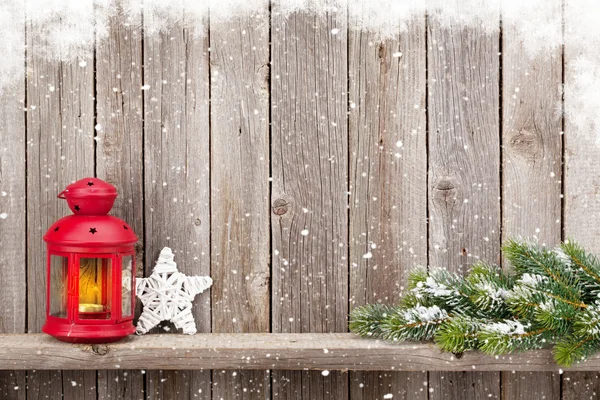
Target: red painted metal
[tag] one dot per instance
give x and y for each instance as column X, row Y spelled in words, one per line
column 89, row 234
column 89, row 196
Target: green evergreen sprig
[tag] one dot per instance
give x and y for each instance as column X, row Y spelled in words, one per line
column 548, row 297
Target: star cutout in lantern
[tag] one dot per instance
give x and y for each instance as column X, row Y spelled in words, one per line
column 167, row 295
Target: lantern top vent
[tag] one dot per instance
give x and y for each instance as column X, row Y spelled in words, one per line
column 90, row 199
column 89, row 196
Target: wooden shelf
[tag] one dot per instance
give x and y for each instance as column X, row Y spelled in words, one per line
column 334, row 351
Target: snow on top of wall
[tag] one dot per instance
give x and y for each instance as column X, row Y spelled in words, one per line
column 65, row 29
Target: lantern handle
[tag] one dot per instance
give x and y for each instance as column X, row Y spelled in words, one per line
column 61, row 195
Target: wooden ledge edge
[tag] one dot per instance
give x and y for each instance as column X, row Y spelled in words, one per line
column 260, row 351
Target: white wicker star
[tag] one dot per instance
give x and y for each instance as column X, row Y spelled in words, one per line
column 167, row 295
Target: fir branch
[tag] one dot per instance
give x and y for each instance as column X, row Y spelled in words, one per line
column 556, row 316
column 511, row 335
column 414, row 296
column 551, row 297
column 416, row 276
column 575, row 349
column 446, row 290
column 587, row 323
column 458, row 334
column 528, row 257
column 535, row 296
column 415, row 324
column 366, row 320
column 586, row 265
column 489, row 287
column 523, row 299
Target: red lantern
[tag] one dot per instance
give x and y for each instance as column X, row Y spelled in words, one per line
column 91, row 268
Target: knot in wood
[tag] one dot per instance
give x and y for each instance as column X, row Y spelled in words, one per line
column 280, row 207
column 445, row 192
column 100, row 349
column 527, row 145
column 260, row 281
column 197, row 222
column 381, row 51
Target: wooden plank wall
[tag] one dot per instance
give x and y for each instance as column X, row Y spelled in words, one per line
column 119, row 150
column 13, row 203
column 306, row 167
column 310, row 173
column 60, row 149
column 388, row 182
column 239, row 65
column 464, row 168
column 531, row 165
column 581, row 205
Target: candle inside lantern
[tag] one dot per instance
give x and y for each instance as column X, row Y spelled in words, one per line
column 93, row 278
column 87, row 308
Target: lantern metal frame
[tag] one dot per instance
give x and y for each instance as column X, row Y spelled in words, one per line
column 72, row 283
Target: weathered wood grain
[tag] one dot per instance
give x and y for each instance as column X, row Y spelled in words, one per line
column 121, row 384
column 388, row 182
column 60, row 137
column 45, row 384
column 13, row 312
column 176, row 174
column 464, row 161
column 531, row 385
column 77, row 384
column 531, row 163
column 239, row 62
column 464, row 385
column 582, row 157
column 184, row 384
column 260, row 351
column 13, row 385
column 581, row 206
column 376, row 384
column 531, row 139
column 464, row 168
column 580, row 385
column 310, row 183
column 119, row 152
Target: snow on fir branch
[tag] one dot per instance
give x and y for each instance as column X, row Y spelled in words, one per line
column 547, row 297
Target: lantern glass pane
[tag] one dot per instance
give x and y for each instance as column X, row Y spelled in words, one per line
column 126, row 287
column 95, row 288
column 59, row 272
